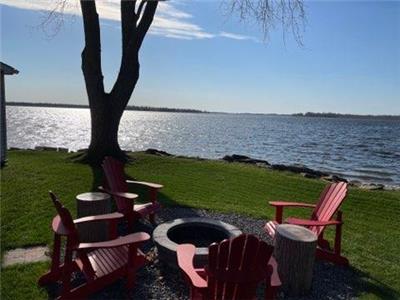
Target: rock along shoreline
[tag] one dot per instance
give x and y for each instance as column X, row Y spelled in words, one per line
column 236, row 158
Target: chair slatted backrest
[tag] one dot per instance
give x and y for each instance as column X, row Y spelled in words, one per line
column 236, row 266
column 329, row 202
column 114, row 174
column 67, row 222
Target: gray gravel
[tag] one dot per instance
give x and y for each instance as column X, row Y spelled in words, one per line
column 157, row 281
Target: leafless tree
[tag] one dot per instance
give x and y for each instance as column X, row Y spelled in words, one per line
column 268, row 14
column 106, row 108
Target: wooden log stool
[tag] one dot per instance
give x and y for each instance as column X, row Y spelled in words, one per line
column 91, row 204
column 294, row 251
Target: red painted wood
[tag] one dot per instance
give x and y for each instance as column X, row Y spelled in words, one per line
column 101, row 263
column 114, row 174
column 270, row 228
column 147, row 184
column 235, row 268
column 185, row 255
column 323, row 215
column 275, row 281
column 313, row 223
column 138, row 237
column 66, row 224
column 117, row 186
column 105, row 217
column 328, row 204
column 279, row 214
column 279, row 205
column 234, row 259
column 294, row 204
column 58, row 226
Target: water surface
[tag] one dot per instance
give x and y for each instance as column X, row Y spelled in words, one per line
column 367, row 150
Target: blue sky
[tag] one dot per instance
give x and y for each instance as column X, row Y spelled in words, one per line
column 197, row 58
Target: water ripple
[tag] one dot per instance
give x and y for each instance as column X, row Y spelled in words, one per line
column 367, row 150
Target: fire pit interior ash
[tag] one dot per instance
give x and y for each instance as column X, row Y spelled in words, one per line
column 200, row 232
column 196, row 234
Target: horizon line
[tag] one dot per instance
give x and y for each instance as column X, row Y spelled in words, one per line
column 193, row 110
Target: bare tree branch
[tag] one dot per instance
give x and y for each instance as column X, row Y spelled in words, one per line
column 107, row 108
column 140, row 8
column 91, row 54
column 290, row 14
column 53, row 20
column 145, row 21
column 128, row 22
column 129, row 69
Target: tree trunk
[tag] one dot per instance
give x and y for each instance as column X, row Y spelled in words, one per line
column 106, row 109
column 104, row 136
column 93, row 204
column 295, row 253
column 105, row 119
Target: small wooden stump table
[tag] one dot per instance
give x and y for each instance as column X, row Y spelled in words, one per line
column 295, row 253
column 91, row 204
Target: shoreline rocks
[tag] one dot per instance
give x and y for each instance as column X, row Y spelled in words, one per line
column 308, row 172
column 237, row 158
column 245, row 159
column 157, row 152
column 47, row 148
column 297, row 168
column 372, row 186
column 334, row 178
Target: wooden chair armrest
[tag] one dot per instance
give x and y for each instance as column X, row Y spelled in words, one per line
column 275, row 280
column 129, row 239
column 129, row 196
column 146, row 184
column 279, row 205
column 105, row 217
column 185, row 254
column 304, row 222
column 290, row 204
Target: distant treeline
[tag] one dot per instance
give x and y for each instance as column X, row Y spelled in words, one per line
column 187, row 110
column 336, row 115
column 129, row 107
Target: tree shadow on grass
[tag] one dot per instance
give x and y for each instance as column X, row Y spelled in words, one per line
column 336, row 282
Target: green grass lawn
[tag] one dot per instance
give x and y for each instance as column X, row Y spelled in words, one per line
column 371, row 237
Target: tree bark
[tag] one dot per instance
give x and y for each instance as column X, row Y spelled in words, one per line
column 92, row 204
column 105, row 121
column 106, row 109
column 295, row 253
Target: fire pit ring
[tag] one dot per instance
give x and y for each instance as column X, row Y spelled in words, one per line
column 200, row 232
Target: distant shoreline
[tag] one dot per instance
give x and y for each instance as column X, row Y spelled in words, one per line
column 188, row 110
column 129, row 107
column 348, row 116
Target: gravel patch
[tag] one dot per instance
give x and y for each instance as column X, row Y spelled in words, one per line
column 158, row 281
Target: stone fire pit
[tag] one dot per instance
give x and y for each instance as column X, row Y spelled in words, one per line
column 200, row 232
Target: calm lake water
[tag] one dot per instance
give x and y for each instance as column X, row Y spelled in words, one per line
column 367, row 150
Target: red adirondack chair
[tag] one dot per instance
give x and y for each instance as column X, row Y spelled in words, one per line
column 235, row 268
column 329, row 202
column 101, row 263
column 118, row 187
